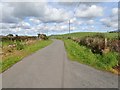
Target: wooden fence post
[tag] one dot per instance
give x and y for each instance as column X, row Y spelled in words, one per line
column 105, row 43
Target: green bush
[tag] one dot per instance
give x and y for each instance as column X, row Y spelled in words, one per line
column 19, row 46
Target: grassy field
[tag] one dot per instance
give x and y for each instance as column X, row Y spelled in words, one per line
column 84, row 55
column 83, row 34
column 18, row 55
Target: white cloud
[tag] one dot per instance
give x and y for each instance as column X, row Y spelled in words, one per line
column 111, row 20
column 16, row 15
column 13, row 15
column 109, row 23
column 90, row 22
column 73, row 20
column 89, row 12
column 6, row 31
column 79, row 22
column 115, row 11
column 24, row 25
column 55, row 15
column 76, row 21
column 18, row 11
column 34, row 20
column 73, row 28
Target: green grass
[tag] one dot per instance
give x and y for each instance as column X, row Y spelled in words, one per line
column 111, row 35
column 14, row 58
column 84, row 55
column 83, row 34
column 80, row 34
column 6, row 43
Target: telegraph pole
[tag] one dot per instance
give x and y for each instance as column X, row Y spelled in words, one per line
column 69, row 26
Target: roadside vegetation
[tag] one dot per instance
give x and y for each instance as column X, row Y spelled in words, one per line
column 84, row 55
column 100, row 50
column 14, row 50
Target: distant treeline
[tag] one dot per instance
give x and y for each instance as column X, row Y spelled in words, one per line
column 114, row 31
column 22, row 38
column 17, row 38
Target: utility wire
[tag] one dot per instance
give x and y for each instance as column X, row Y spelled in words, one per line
column 74, row 12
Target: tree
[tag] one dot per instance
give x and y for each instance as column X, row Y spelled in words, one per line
column 10, row 35
column 42, row 36
column 16, row 35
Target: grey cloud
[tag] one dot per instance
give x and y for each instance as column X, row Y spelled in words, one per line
column 7, row 14
column 27, row 9
column 14, row 12
column 109, row 22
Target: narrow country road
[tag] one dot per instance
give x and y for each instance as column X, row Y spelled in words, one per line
column 50, row 68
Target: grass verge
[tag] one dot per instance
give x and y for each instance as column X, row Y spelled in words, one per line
column 84, row 55
column 20, row 54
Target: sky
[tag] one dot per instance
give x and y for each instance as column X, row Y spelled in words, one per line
column 31, row 18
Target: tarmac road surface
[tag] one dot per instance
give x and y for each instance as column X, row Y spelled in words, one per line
column 50, row 68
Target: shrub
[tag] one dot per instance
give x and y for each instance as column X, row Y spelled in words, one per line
column 19, row 46
column 95, row 43
column 99, row 44
column 8, row 50
column 114, row 45
column 42, row 36
column 69, row 38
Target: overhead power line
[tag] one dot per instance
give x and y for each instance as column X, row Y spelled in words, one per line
column 74, row 12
